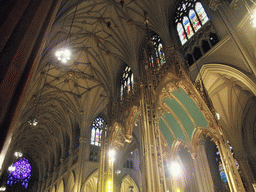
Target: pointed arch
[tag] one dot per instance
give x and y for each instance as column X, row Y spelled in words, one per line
column 225, row 69
column 61, row 187
column 128, row 183
column 90, row 184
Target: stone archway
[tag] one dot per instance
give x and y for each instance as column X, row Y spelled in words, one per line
column 230, row 91
column 90, row 183
column 61, row 187
column 128, row 184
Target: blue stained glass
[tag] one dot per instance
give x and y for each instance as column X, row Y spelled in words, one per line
column 158, row 58
column 187, row 26
column 96, row 131
column 193, row 18
column 21, row 173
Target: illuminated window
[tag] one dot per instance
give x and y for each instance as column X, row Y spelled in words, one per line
column 189, row 17
column 96, row 133
column 126, row 81
column 96, row 130
column 21, row 172
column 156, row 54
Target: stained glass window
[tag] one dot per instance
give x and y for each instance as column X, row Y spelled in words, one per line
column 96, row 131
column 181, row 33
column 126, row 81
column 189, row 18
column 157, row 58
column 21, row 173
column 194, row 20
column 188, row 29
column 201, row 13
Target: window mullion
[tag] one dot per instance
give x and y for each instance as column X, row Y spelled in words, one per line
column 184, row 30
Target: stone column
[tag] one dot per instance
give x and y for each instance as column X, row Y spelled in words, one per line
column 153, row 169
column 110, row 173
column 102, row 163
column 202, row 169
column 81, row 160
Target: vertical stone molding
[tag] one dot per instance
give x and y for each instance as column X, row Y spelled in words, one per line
column 234, row 179
column 202, row 169
column 81, row 159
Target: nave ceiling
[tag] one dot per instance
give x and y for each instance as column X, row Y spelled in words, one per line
column 102, row 36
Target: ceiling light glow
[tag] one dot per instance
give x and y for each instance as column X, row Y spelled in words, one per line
column 63, row 55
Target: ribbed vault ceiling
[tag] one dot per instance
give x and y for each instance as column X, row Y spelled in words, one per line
column 101, row 36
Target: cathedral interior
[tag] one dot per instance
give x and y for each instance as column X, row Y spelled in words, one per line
column 128, row 95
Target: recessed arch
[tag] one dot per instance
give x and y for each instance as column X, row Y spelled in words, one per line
column 90, row 184
column 61, row 187
column 225, row 69
column 128, row 183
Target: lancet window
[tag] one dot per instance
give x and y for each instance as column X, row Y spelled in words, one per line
column 127, row 81
column 190, row 16
column 156, row 53
column 96, row 131
column 96, row 135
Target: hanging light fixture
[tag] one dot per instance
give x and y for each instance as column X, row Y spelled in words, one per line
column 33, row 121
column 18, row 154
column 64, row 54
column 11, row 168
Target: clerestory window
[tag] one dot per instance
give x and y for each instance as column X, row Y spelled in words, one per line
column 96, row 136
column 190, row 16
column 96, row 131
column 126, row 81
column 157, row 56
